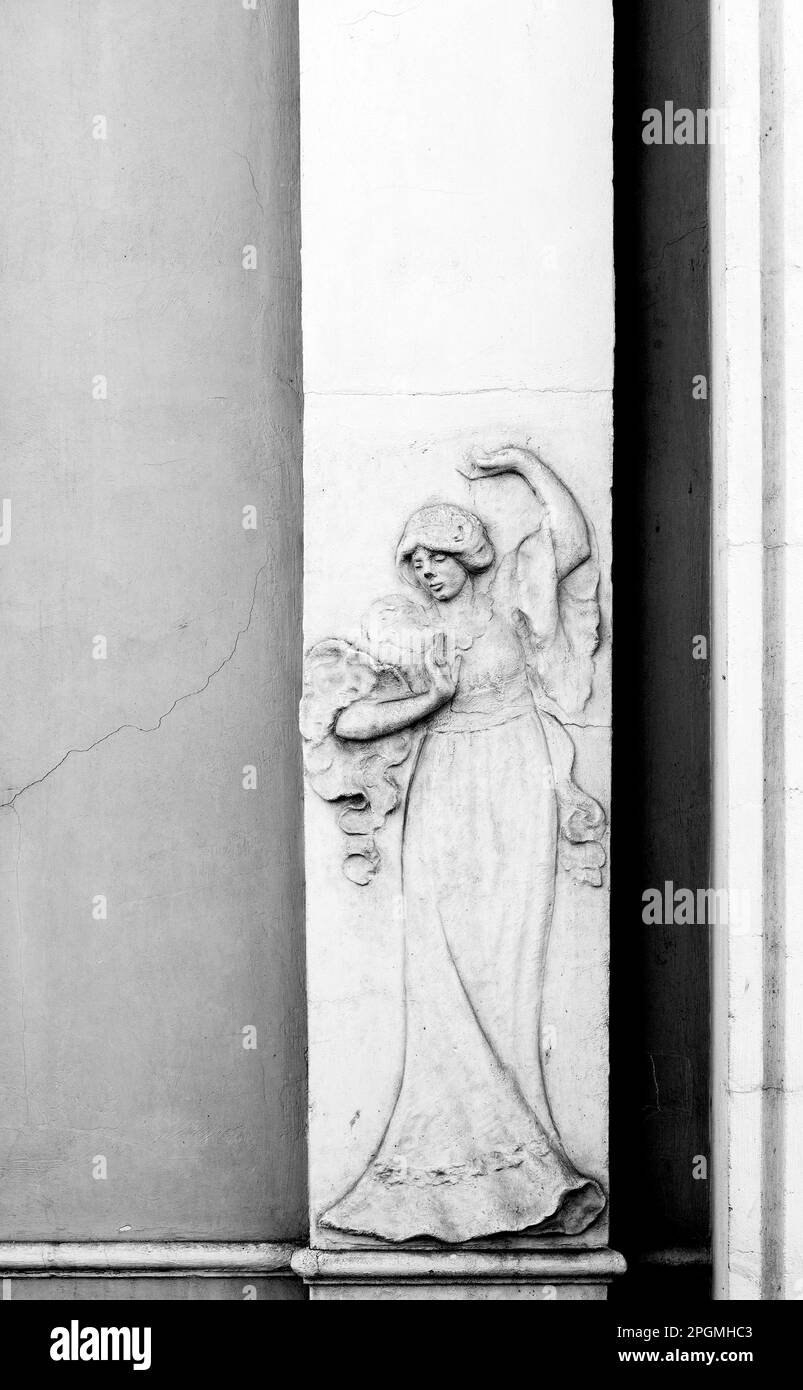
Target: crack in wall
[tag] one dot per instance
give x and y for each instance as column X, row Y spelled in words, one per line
column 380, row 14
column 147, row 728
column 253, row 180
column 675, row 241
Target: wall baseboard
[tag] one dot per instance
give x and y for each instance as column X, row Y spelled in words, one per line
column 165, row 1258
column 458, row 1274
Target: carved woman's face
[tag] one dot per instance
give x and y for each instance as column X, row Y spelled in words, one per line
column 439, row 574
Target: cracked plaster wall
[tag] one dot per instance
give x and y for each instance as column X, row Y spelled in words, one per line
column 123, row 776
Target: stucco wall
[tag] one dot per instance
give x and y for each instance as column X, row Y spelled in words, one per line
column 123, row 776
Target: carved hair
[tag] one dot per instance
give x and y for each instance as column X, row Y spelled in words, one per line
column 359, row 776
column 450, row 529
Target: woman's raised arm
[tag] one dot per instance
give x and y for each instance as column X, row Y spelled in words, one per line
column 564, row 518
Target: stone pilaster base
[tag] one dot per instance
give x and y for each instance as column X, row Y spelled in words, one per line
column 485, row 1276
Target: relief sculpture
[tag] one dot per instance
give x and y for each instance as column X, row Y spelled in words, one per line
column 449, row 712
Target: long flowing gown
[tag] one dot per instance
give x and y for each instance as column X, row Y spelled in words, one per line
column 471, row 1147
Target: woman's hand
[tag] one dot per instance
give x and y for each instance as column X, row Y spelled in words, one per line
column 561, row 512
column 367, row 719
column 488, row 463
column 442, row 673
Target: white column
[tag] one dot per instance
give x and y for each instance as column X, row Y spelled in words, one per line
column 458, row 296
column 757, row 251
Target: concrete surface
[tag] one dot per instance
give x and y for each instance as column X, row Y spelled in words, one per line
column 121, row 1038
